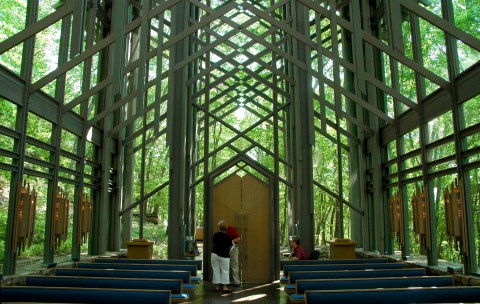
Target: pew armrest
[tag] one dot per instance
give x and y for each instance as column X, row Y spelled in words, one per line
column 195, row 280
column 290, row 288
column 189, row 287
column 296, row 298
column 179, row 297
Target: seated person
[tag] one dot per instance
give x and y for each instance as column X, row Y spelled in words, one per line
column 298, row 252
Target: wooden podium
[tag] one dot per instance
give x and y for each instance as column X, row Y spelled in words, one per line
column 140, row 249
column 342, row 249
column 199, row 234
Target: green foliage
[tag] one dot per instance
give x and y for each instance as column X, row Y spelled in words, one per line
column 12, row 20
column 470, row 111
column 39, row 128
column 3, row 228
column 8, row 114
column 36, row 249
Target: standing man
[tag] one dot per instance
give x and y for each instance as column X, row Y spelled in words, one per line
column 232, row 231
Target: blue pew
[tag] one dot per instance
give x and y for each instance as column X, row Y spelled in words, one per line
column 185, row 276
column 142, row 266
column 453, row 294
column 175, row 286
column 334, row 261
column 336, row 274
column 288, row 268
column 302, row 286
column 191, row 268
column 197, row 263
column 82, row 295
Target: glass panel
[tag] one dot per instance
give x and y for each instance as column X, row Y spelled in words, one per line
column 473, row 141
column 413, row 174
column 466, row 13
column 412, row 162
column 156, row 223
column 47, row 46
column 441, row 152
column 414, row 236
column 325, row 165
column 63, row 218
column 345, row 176
column 5, row 179
column 470, row 111
column 392, row 150
column 37, row 152
column 467, row 56
column 393, row 168
column 393, row 212
column 12, row 21
column 69, row 142
column 8, row 114
column 89, row 151
column 433, row 49
column 347, row 222
column 39, row 128
column 474, row 179
column 407, row 83
column 73, row 83
column 448, row 246
column 411, row 141
column 434, row 6
column 47, row 7
column 6, row 143
column 12, row 18
column 442, row 166
column 325, row 209
column 37, row 245
column 440, row 127
column 155, row 175
column 68, row 163
column 12, row 59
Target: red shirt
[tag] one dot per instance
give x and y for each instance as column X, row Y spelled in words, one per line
column 233, row 232
column 300, row 253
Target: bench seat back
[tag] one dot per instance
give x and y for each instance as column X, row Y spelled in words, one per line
column 126, row 273
column 82, row 295
column 288, row 268
column 191, row 268
column 174, row 285
column 366, row 283
column 197, row 263
column 293, row 276
column 334, row 261
column 453, row 294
